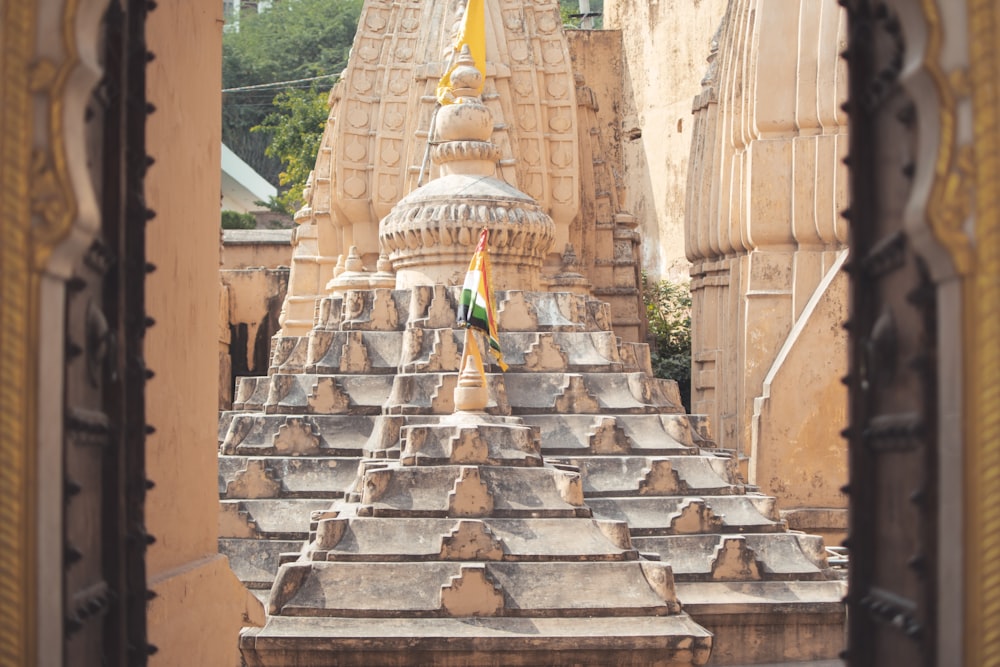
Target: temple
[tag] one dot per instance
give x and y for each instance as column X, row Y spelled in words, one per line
column 825, row 172
column 579, row 467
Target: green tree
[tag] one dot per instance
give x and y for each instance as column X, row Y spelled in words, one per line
column 668, row 311
column 235, row 220
column 295, row 39
column 295, row 129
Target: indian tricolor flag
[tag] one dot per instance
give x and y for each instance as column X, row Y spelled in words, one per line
column 475, row 307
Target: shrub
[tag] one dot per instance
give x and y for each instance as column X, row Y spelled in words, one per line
column 234, row 220
column 668, row 310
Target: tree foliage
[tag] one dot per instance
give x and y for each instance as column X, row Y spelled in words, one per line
column 668, row 311
column 236, row 220
column 296, row 129
column 294, row 39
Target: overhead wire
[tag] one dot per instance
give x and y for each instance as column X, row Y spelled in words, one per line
column 277, row 84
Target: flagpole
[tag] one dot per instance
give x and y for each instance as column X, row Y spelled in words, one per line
column 470, row 392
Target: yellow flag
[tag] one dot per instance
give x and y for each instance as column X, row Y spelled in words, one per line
column 471, row 33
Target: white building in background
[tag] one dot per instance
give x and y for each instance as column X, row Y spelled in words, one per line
column 242, row 187
column 232, row 9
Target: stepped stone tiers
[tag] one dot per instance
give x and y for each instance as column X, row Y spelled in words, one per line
column 465, row 548
column 456, row 529
column 558, row 524
column 379, row 362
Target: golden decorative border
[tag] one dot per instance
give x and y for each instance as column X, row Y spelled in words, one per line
column 37, row 212
column 981, row 338
column 18, row 327
column 967, row 183
column 948, row 203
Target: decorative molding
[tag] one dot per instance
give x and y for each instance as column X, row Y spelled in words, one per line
column 18, row 324
column 951, row 193
column 981, row 340
column 38, row 211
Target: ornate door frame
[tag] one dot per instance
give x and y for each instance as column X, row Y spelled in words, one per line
column 51, row 55
column 951, row 70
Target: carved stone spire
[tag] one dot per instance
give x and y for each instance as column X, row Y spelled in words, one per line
column 430, row 234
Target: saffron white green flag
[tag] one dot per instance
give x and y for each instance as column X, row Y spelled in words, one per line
column 475, row 307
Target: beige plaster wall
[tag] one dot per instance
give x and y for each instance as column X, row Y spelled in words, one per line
column 797, row 453
column 665, row 46
column 246, row 248
column 200, row 605
column 766, row 241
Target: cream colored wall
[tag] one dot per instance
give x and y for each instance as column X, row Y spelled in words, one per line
column 247, row 248
column 766, row 241
column 200, row 605
column 665, row 46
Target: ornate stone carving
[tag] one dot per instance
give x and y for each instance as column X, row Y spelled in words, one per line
column 430, row 234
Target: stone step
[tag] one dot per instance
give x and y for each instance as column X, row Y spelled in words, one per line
column 418, row 350
column 435, row 306
column 515, row 393
column 255, row 562
column 647, row 475
column 391, row 490
column 748, row 557
column 292, row 435
column 686, row 515
column 519, row 589
column 591, row 393
column 358, row 538
column 244, row 477
column 362, row 352
column 670, row 641
column 273, row 518
column 740, row 614
column 565, row 434
column 453, row 441
column 259, row 434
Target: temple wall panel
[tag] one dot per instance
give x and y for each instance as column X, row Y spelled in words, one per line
column 766, row 185
column 664, row 48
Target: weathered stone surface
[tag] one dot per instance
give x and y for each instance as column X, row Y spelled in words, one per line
column 528, row 589
column 661, row 476
column 658, row 641
column 768, row 620
column 786, row 556
column 486, row 444
column 255, row 434
column 283, row 518
column 660, row 514
column 415, row 491
column 298, row 477
column 256, row 562
column 516, row 539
